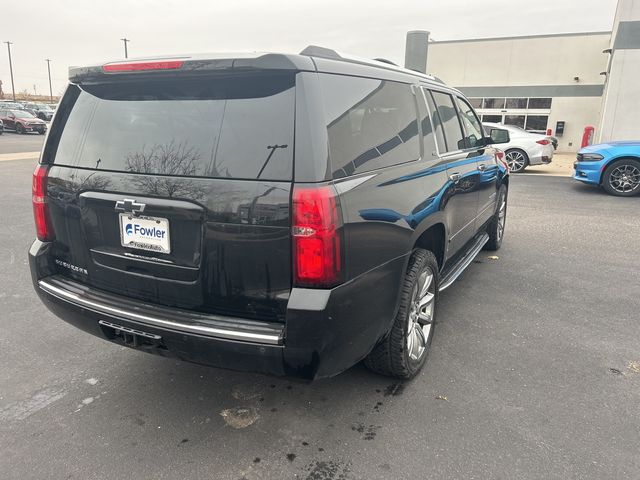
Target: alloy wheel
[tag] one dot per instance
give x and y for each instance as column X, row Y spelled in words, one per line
column 516, row 161
column 421, row 315
column 625, row 178
column 502, row 215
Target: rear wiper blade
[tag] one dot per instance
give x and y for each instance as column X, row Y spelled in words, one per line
column 273, row 148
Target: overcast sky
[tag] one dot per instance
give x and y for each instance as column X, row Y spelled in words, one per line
column 71, row 32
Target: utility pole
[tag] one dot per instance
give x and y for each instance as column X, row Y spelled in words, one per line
column 13, row 88
column 49, row 72
column 126, row 53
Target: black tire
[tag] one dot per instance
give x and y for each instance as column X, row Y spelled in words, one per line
column 622, row 178
column 394, row 355
column 512, row 152
column 495, row 229
column 19, row 129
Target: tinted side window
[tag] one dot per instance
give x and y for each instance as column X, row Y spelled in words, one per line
column 437, row 123
column 471, row 124
column 450, row 122
column 370, row 123
column 428, row 137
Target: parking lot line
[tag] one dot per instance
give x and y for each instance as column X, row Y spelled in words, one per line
column 6, row 157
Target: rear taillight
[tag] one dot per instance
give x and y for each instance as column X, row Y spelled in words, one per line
column 317, row 237
column 44, row 230
column 544, row 141
column 500, row 159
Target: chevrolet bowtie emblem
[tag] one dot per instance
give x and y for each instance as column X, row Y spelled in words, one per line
column 129, row 206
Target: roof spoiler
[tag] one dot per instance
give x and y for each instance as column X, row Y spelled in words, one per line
column 188, row 64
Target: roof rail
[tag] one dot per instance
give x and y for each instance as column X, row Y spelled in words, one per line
column 384, row 60
column 323, row 52
column 316, row 51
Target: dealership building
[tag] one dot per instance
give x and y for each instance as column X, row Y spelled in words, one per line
column 561, row 82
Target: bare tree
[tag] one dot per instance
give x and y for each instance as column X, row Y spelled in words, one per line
column 163, row 165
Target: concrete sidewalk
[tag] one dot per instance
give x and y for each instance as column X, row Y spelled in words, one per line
column 7, row 157
column 560, row 166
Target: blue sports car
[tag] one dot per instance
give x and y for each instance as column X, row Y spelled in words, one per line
column 614, row 165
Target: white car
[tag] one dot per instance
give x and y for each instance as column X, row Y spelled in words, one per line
column 524, row 148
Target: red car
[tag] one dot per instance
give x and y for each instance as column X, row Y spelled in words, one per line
column 22, row 121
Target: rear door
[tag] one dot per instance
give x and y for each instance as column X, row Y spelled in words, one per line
column 177, row 190
column 462, row 169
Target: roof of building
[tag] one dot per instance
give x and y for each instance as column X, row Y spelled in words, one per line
column 523, row 37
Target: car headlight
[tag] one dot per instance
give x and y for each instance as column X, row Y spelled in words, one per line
column 589, row 157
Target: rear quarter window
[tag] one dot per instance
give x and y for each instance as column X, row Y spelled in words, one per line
column 371, row 123
column 239, row 127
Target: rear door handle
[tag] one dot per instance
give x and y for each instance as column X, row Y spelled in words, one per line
column 482, row 167
column 454, row 177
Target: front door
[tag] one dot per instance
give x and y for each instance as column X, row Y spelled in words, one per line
column 486, row 161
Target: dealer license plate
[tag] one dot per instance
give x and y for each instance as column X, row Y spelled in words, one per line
column 145, row 233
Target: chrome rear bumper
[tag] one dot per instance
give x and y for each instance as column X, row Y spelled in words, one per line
column 214, row 326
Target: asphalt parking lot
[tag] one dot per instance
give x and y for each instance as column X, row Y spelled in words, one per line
column 534, row 372
column 12, row 144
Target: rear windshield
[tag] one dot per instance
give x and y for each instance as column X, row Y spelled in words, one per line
column 240, row 127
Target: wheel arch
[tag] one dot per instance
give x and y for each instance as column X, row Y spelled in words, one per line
column 615, row 159
column 504, row 180
column 434, row 239
column 520, row 149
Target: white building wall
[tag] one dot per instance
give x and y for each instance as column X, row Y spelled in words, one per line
column 621, row 99
column 537, row 66
column 548, row 60
column 577, row 112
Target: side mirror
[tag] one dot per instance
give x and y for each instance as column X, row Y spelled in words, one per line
column 499, row 135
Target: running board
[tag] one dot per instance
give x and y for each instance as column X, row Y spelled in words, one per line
column 460, row 266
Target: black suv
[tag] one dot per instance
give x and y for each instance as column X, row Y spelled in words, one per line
column 284, row 214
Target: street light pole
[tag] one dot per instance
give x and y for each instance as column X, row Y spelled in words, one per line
column 126, row 53
column 49, row 72
column 13, row 88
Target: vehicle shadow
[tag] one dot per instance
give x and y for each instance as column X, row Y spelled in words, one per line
column 596, row 190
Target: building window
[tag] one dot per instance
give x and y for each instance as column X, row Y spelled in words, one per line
column 539, row 103
column 493, row 103
column 476, row 102
column 537, row 123
column 531, row 114
column 517, row 120
column 519, row 103
column 492, row 118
